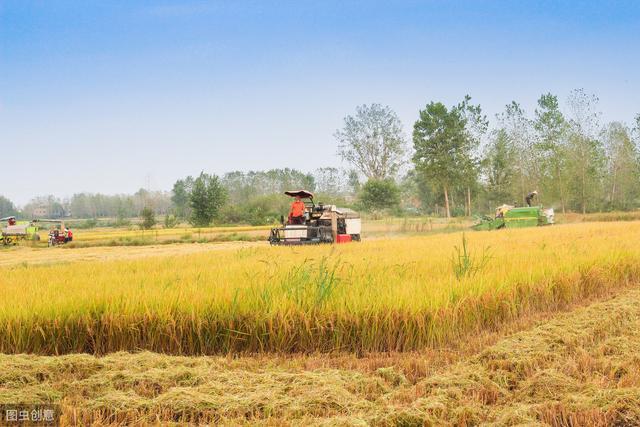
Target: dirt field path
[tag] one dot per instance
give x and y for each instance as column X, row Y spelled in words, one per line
column 580, row 368
column 35, row 256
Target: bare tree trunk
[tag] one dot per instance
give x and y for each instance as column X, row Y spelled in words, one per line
column 613, row 187
column 466, row 205
column 469, row 200
column 562, row 198
column 446, row 202
column 584, row 199
column 524, row 194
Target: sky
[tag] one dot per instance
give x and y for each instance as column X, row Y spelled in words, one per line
column 112, row 96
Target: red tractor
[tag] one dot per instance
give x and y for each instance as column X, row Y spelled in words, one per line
column 58, row 235
column 56, row 238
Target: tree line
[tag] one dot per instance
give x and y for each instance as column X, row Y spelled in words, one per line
column 456, row 162
column 460, row 163
column 253, row 197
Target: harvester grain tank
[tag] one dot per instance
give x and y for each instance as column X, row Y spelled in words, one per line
column 511, row 217
column 320, row 224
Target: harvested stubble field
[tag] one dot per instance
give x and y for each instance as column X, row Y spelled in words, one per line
column 579, row 369
column 382, row 332
column 98, row 234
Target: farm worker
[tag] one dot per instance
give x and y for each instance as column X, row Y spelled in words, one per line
column 530, row 197
column 69, row 235
column 296, row 214
column 501, row 211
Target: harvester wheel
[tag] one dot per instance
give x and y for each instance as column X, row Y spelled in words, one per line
column 273, row 237
column 325, row 235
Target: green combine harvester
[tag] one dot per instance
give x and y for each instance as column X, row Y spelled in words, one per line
column 16, row 231
column 512, row 217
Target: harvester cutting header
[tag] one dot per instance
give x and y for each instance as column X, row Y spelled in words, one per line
column 309, row 223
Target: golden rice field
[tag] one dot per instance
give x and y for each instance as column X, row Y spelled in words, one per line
column 134, row 236
column 372, row 227
column 579, row 368
column 396, row 294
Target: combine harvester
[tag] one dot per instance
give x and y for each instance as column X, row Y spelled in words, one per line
column 318, row 224
column 511, row 217
column 16, row 231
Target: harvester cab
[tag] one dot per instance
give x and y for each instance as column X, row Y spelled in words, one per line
column 319, row 224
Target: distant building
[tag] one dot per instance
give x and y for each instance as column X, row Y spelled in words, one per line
column 40, row 212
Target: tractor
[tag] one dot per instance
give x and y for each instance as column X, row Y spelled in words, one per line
column 16, row 231
column 319, row 224
column 57, row 233
column 508, row 216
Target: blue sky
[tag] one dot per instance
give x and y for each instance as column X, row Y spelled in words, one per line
column 111, row 96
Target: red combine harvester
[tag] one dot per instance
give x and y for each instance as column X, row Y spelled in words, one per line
column 313, row 224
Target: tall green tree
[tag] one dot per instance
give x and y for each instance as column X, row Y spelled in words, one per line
column 622, row 180
column 476, row 126
column 373, row 141
column 585, row 153
column 498, row 167
column 550, row 149
column 7, row 208
column 180, row 195
column 518, row 130
column 207, row 197
column 442, row 147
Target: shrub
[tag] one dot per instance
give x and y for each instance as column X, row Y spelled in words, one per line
column 170, row 221
column 380, row 194
column 148, row 218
